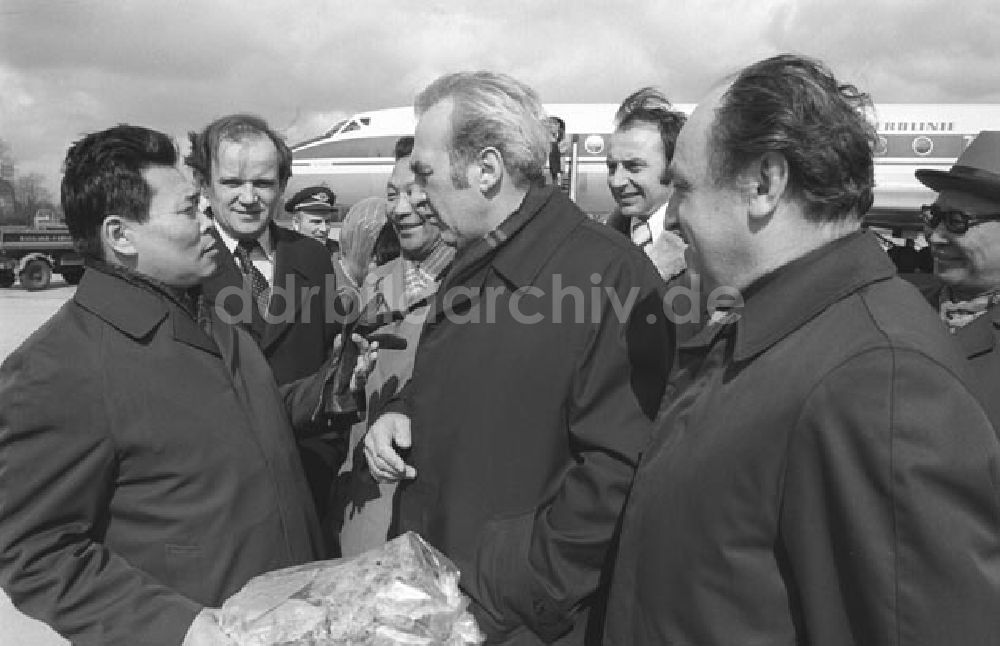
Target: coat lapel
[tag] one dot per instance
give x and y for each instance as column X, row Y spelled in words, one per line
column 187, row 331
column 290, row 282
column 978, row 337
column 226, row 289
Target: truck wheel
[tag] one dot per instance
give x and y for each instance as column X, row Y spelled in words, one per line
column 73, row 276
column 6, row 278
column 36, row 275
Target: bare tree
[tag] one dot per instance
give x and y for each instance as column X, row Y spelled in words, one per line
column 7, row 164
column 31, row 195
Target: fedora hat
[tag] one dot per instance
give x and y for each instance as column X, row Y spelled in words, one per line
column 976, row 171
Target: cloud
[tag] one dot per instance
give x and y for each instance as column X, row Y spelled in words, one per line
column 73, row 66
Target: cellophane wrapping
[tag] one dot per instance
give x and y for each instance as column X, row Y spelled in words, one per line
column 403, row 593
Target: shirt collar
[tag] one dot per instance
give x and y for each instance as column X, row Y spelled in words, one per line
column 655, row 220
column 264, row 239
column 551, row 223
column 781, row 302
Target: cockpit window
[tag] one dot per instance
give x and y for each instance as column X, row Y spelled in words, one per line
column 332, row 131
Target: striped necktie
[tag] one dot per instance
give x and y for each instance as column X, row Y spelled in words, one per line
column 251, row 275
column 641, row 234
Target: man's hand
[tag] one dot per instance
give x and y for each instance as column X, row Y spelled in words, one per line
column 390, row 431
column 205, row 630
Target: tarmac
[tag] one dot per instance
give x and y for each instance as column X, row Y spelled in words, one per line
column 21, row 313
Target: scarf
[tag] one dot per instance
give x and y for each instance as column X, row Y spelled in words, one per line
column 958, row 313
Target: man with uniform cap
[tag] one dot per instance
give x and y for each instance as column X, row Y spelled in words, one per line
column 963, row 231
column 312, row 212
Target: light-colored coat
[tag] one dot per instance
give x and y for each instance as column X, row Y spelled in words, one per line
column 367, row 505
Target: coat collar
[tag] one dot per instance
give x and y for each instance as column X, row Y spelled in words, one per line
column 135, row 311
column 513, row 254
column 778, row 304
column 520, row 257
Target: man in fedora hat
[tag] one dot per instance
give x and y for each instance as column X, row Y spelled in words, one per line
column 312, row 215
column 963, row 231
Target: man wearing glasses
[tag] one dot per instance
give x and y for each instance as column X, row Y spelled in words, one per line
column 963, row 231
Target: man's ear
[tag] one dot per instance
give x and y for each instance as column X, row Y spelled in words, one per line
column 116, row 235
column 767, row 183
column 491, row 170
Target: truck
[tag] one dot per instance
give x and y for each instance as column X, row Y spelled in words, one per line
column 31, row 254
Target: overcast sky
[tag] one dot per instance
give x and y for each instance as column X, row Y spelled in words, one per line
column 69, row 67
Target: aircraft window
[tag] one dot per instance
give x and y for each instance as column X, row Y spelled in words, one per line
column 351, row 127
column 366, row 121
column 361, row 147
column 332, row 131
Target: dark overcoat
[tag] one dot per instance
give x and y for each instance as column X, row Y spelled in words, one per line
column 146, row 469
column 542, row 361
column 822, row 474
column 298, row 335
column 979, row 342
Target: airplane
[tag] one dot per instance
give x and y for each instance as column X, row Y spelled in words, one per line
column 355, row 156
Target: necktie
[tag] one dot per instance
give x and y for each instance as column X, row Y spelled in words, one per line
column 641, row 234
column 258, row 284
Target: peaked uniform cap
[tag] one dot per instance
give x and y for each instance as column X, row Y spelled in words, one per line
column 312, row 198
column 977, row 170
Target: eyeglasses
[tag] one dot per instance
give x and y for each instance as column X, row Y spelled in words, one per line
column 955, row 221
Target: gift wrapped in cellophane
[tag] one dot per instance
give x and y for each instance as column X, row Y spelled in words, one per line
column 403, row 593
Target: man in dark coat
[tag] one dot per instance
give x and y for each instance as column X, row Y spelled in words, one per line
column 540, row 366
column 147, row 464
column 821, row 473
column 963, row 233
column 276, row 282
